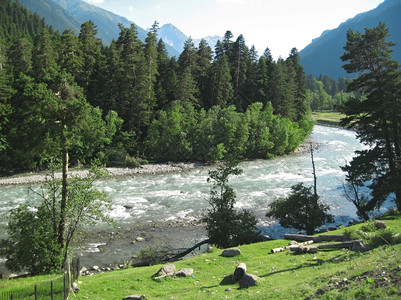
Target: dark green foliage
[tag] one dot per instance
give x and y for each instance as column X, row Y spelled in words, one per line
column 301, row 210
column 225, row 225
column 17, row 21
column 182, row 133
column 375, row 116
column 32, row 243
column 322, row 56
column 48, row 77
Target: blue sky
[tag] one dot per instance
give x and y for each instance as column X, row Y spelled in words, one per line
column 277, row 24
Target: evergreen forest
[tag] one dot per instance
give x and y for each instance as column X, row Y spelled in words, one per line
column 129, row 102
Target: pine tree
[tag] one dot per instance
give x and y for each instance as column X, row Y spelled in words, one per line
column 376, row 119
column 239, row 67
column 282, row 90
column 90, row 46
column 300, row 105
column 221, row 89
column 167, row 81
column 44, row 59
column 204, row 58
column 151, row 70
column 20, row 57
column 130, row 102
column 71, row 57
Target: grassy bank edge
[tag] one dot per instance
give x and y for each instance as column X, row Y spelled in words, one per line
column 328, row 118
column 328, row 274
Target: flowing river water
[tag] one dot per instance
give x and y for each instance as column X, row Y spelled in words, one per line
column 164, row 208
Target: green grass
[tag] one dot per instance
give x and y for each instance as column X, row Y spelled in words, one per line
column 24, row 288
column 327, row 118
column 328, row 274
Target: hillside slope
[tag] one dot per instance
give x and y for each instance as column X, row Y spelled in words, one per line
column 70, row 14
column 327, row 274
column 322, row 56
column 56, row 16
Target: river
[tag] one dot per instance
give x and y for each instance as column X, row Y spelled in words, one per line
column 143, row 201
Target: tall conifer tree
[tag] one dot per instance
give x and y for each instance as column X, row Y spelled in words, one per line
column 377, row 120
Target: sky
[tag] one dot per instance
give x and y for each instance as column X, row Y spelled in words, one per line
column 279, row 25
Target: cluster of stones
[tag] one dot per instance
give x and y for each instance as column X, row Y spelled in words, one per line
column 240, row 275
column 96, row 269
column 166, row 270
column 170, row 270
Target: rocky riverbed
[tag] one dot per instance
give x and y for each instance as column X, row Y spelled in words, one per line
column 31, row 178
column 126, row 244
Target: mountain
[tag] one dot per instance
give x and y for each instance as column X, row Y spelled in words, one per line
column 56, row 16
column 172, row 36
column 322, row 56
column 70, row 14
column 175, row 38
column 211, row 40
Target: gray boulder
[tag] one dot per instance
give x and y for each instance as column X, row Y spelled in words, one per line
column 359, row 246
column 231, row 252
column 166, row 270
column 380, row 225
column 247, row 281
column 185, row 272
column 239, row 272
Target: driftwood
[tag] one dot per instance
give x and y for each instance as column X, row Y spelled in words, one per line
column 239, row 272
column 276, row 250
column 189, row 250
column 314, row 248
column 316, row 239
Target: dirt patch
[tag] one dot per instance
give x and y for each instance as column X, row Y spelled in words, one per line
column 383, row 278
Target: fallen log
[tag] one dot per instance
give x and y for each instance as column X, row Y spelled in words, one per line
column 314, row 248
column 281, row 249
column 239, row 272
column 189, row 250
column 316, row 239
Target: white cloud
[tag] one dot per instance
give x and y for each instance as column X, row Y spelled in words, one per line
column 95, row 1
column 131, row 8
column 237, row 1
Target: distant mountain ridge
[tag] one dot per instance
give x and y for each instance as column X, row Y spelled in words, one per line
column 70, row 14
column 174, row 37
column 55, row 15
column 322, row 55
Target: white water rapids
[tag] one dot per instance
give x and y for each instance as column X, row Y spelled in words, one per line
column 182, row 196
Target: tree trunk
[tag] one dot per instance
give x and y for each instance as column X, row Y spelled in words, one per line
column 315, row 239
column 314, row 171
column 64, row 194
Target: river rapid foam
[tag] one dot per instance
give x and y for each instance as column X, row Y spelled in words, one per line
column 169, row 202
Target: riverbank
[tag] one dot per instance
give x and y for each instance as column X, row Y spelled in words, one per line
column 147, row 169
column 32, row 178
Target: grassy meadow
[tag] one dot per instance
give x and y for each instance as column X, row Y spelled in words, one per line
column 328, row 274
column 330, row 118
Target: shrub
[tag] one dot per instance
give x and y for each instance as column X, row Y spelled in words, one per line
column 225, row 226
column 301, row 210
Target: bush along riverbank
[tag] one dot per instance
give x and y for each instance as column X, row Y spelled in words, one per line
column 339, row 273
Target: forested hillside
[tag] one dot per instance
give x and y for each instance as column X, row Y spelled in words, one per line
column 322, row 56
column 62, row 15
column 131, row 100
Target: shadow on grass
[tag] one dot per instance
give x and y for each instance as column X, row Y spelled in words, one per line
column 227, row 280
column 318, row 262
